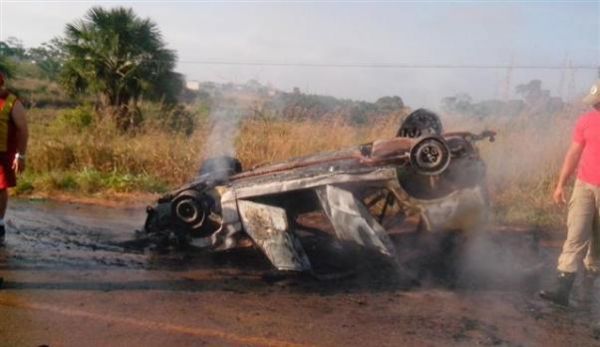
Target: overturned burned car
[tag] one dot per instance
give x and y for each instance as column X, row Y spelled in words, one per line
column 432, row 178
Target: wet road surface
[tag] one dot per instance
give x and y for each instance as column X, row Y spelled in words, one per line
column 71, row 282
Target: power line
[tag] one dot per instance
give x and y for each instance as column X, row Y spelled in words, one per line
column 389, row 65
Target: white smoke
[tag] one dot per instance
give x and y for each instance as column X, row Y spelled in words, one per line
column 225, row 128
column 219, row 148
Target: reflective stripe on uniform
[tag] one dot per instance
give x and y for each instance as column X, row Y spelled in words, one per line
column 5, row 112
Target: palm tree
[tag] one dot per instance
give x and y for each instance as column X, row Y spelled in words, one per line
column 120, row 57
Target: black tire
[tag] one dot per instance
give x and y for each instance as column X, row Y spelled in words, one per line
column 419, row 123
column 189, row 209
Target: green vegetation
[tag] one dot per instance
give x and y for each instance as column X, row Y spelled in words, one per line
column 6, row 66
column 534, row 101
column 88, row 181
column 300, row 106
column 77, row 149
column 120, row 57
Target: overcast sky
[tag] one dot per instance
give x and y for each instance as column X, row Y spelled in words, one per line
column 528, row 33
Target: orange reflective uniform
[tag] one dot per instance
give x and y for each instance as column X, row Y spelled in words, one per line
column 8, row 141
column 6, row 106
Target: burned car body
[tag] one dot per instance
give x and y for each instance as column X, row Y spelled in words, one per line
column 421, row 172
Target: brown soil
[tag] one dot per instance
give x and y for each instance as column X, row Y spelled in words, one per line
column 69, row 281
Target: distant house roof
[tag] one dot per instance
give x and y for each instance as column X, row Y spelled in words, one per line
column 192, row 85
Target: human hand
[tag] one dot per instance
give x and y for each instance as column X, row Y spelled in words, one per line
column 18, row 165
column 559, row 196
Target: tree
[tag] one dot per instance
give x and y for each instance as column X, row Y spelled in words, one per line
column 12, row 48
column 532, row 92
column 121, row 58
column 49, row 58
column 388, row 104
column 6, row 67
column 461, row 103
column 539, row 100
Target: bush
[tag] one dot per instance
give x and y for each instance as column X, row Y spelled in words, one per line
column 129, row 183
column 89, row 180
column 53, row 181
column 24, row 185
column 76, row 119
column 176, row 119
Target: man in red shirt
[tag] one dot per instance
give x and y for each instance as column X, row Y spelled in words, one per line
column 14, row 135
column 583, row 221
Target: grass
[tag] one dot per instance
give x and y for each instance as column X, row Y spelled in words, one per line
column 87, row 181
column 66, row 142
column 524, row 163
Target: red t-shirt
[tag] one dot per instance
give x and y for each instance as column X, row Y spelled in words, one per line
column 587, row 133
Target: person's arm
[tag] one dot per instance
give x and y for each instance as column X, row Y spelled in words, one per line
column 20, row 120
column 568, row 167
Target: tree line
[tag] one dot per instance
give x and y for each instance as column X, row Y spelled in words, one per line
column 119, row 59
column 111, row 54
column 533, row 99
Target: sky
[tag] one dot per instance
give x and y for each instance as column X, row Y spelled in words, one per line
column 342, row 37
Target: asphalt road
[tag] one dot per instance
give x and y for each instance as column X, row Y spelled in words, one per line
column 70, row 282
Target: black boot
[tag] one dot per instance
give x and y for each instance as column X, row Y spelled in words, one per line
column 587, row 286
column 2, row 235
column 560, row 294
